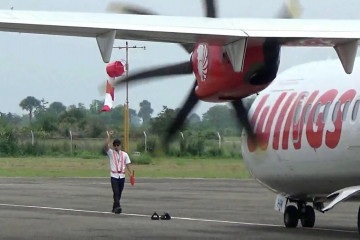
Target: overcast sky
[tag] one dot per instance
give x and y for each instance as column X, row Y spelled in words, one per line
column 69, row 70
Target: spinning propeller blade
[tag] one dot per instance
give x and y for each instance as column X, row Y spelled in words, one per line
column 242, row 117
column 175, row 69
column 186, row 109
column 210, row 8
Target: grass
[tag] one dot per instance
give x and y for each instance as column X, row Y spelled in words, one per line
column 159, row 168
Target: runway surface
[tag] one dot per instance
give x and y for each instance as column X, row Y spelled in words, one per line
column 70, row 208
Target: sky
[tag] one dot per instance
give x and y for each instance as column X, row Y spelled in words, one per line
column 70, row 69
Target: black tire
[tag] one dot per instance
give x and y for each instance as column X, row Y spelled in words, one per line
column 358, row 222
column 291, row 217
column 308, row 217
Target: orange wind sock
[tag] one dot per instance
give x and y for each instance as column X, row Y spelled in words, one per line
column 109, row 96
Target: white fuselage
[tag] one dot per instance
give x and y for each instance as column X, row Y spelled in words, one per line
column 308, row 123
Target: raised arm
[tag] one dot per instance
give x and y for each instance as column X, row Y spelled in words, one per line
column 108, row 140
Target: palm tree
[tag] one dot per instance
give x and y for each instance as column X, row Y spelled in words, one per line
column 29, row 104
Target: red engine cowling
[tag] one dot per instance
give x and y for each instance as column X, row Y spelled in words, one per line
column 115, row 69
column 217, row 81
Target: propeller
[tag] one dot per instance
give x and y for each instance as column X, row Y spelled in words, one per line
column 116, row 7
column 242, row 115
column 290, row 9
column 174, row 69
column 185, row 110
column 210, row 8
column 271, row 55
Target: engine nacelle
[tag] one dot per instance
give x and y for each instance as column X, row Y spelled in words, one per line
column 216, row 79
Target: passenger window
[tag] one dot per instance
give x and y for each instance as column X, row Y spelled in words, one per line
column 297, row 113
column 316, row 113
column 346, row 109
column 355, row 110
column 335, row 111
column 326, row 111
column 307, row 112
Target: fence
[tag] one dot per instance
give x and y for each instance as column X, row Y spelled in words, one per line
column 37, row 144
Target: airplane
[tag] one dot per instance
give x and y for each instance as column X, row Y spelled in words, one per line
column 300, row 132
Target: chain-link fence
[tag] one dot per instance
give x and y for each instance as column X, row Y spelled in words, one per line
column 38, row 143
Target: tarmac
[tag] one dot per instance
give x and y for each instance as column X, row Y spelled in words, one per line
column 79, row 208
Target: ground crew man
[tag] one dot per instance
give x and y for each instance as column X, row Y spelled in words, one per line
column 119, row 161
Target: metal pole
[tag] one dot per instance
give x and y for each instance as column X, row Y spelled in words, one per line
column 127, row 73
column 145, row 141
column 182, row 136
column 126, row 115
column 219, row 140
column 126, row 105
column 71, row 142
column 32, row 138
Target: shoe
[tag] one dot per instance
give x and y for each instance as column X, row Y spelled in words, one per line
column 117, row 210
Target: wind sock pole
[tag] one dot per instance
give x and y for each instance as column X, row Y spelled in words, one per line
column 126, row 106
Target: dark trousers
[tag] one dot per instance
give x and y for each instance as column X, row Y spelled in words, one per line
column 117, row 185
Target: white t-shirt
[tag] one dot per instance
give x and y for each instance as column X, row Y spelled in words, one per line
column 118, row 161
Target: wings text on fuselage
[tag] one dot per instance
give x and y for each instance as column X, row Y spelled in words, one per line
column 293, row 112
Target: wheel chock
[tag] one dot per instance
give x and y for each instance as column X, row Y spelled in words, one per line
column 155, row 216
column 166, row 216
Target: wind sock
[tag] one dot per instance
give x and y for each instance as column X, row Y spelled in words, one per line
column 114, row 69
column 109, row 96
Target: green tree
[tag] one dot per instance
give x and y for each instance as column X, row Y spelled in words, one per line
column 194, row 118
column 8, row 139
column 43, row 104
column 145, row 111
column 219, row 117
column 47, row 121
column 94, row 126
column 74, row 118
column 96, row 106
column 134, row 119
column 114, row 117
column 11, row 118
column 160, row 124
column 30, row 104
column 56, row 108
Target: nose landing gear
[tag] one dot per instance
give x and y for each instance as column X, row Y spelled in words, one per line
column 304, row 212
column 358, row 222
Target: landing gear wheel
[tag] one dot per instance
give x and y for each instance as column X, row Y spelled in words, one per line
column 358, row 222
column 291, row 217
column 308, row 217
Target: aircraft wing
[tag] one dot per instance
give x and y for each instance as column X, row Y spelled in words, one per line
column 179, row 29
column 106, row 27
